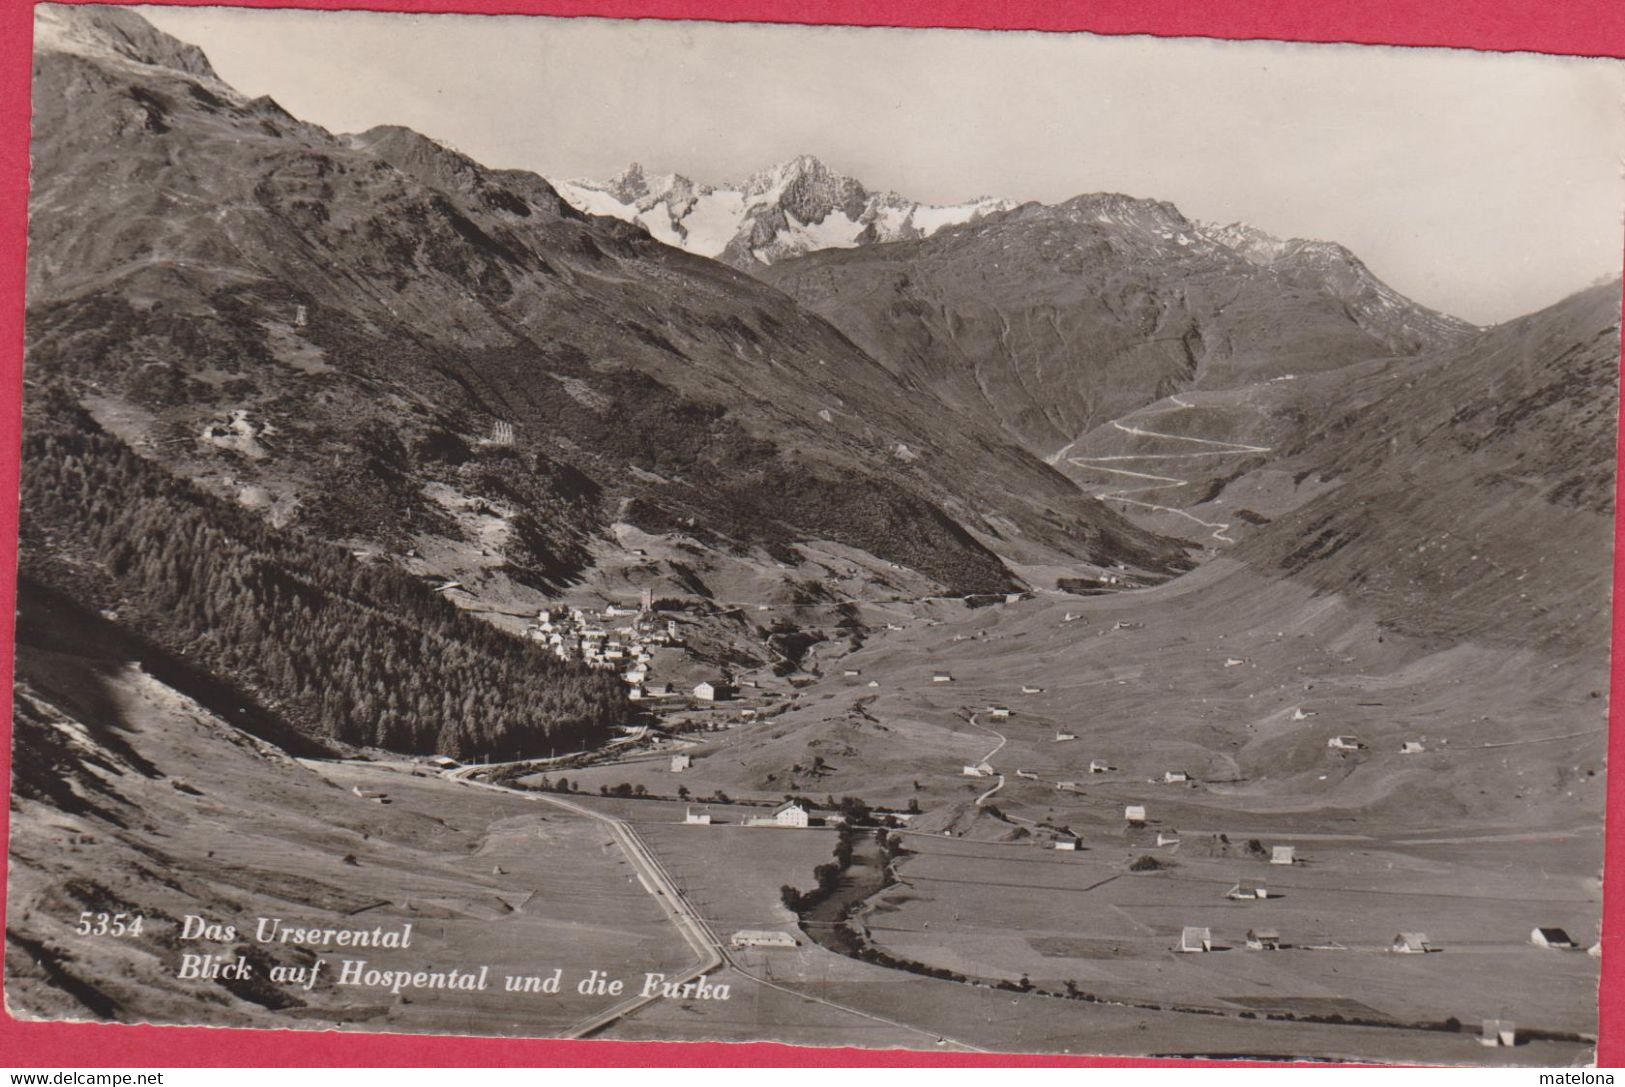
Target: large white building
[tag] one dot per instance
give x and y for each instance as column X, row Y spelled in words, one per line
column 790, row 814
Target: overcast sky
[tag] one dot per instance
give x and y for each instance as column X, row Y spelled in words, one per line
column 1485, row 185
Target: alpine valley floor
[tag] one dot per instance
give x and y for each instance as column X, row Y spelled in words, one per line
column 1462, row 842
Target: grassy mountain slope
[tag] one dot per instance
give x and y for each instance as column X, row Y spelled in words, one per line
column 1477, row 497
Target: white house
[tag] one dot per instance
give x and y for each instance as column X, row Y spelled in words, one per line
column 752, row 937
column 679, row 763
column 1245, row 892
column 1551, row 937
column 1068, row 844
column 1134, row 813
column 1175, row 777
column 705, row 692
column 790, row 814
column 998, row 713
column 1099, row 766
column 1196, row 939
column 1412, row 943
column 697, row 818
column 1284, row 854
column 1344, row 743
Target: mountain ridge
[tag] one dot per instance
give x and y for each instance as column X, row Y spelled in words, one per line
column 1055, row 319
column 796, row 206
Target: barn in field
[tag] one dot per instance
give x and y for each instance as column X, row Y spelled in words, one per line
column 1412, row 943
column 1284, row 854
column 679, row 763
column 1134, row 815
column 1194, row 939
column 1263, row 939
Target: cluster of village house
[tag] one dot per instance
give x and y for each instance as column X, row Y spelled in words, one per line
column 593, row 638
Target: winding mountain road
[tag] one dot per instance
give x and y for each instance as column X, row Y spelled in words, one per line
column 988, row 758
column 1161, row 482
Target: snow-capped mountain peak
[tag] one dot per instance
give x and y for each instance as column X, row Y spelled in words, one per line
column 790, row 208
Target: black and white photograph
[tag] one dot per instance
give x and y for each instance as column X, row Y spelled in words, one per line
column 915, row 539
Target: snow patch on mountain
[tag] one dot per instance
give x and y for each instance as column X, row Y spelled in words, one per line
column 795, row 207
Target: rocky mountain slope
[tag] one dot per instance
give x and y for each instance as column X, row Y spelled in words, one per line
column 377, row 339
column 1475, row 496
column 1054, row 320
column 792, row 208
